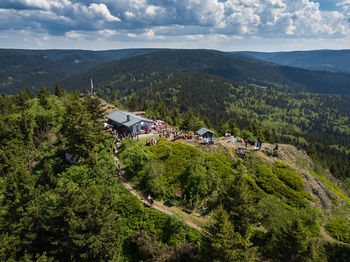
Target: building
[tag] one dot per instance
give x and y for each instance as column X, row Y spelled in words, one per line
column 203, row 132
column 130, row 121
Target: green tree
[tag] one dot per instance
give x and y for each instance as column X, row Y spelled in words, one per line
column 81, row 128
column 133, row 104
column 151, row 182
column 225, row 243
column 290, row 242
column 59, row 91
column 43, row 96
column 175, row 117
column 191, row 122
column 94, row 108
column 195, row 182
column 239, row 202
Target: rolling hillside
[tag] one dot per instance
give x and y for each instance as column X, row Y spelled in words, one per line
column 36, row 68
column 326, row 60
column 139, row 70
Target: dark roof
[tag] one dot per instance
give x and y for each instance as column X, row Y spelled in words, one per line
column 121, row 117
column 202, row 131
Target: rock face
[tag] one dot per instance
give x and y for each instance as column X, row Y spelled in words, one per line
column 299, row 161
column 322, row 195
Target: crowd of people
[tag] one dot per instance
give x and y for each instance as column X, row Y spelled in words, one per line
column 174, row 134
column 151, row 142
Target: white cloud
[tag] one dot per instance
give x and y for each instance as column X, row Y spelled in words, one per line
column 152, row 10
column 129, row 14
column 186, row 20
column 100, row 11
column 108, row 32
column 74, row 34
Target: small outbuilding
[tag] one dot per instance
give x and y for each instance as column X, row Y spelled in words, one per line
column 203, row 132
column 130, row 121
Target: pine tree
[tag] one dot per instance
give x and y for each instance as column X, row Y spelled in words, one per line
column 225, row 243
column 59, row 92
column 43, row 96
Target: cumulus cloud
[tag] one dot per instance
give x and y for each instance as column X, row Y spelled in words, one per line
column 190, row 19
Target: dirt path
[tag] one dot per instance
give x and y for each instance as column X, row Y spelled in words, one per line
column 155, row 205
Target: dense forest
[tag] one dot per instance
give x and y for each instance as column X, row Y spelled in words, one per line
column 228, row 66
column 54, row 211
column 36, row 68
column 51, row 210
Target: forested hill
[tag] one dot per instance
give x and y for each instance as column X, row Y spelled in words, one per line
column 246, row 70
column 36, row 68
column 327, row 60
column 282, row 207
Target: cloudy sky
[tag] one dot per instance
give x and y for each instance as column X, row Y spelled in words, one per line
column 262, row 25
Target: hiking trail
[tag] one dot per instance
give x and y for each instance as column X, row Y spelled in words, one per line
column 155, row 205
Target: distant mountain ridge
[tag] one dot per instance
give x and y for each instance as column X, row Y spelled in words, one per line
column 324, row 60
column 36, row 68
column 233, row 67
column 73, row 68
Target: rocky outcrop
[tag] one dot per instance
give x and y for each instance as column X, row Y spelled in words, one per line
column 299, row 161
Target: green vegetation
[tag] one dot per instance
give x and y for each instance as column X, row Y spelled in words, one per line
column 53, row 211
column 322, row 60
column 288, row 176
column 318, row 123
column 339, row 228
column 336, row 190
column 36, row 68
column 271, row 184
column 200, row 81
column 159, row 169
column 157, row 67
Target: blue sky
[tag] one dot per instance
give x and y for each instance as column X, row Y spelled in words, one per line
column 261, row 25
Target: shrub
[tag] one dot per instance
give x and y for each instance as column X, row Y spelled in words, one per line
column 270, row 183
column 339, row 228
column 280, row 164
column 290, row 178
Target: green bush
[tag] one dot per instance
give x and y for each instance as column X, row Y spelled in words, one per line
column 339, row 228
column 337, row 252
column 270, row 183
column 290, row 178
column 280, row 164
column 166, row 166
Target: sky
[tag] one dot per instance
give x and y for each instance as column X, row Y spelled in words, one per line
column 227, row 25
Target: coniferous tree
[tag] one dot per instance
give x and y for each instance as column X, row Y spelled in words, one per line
column 43, row 96
column 59, row 91
column 225, row 243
